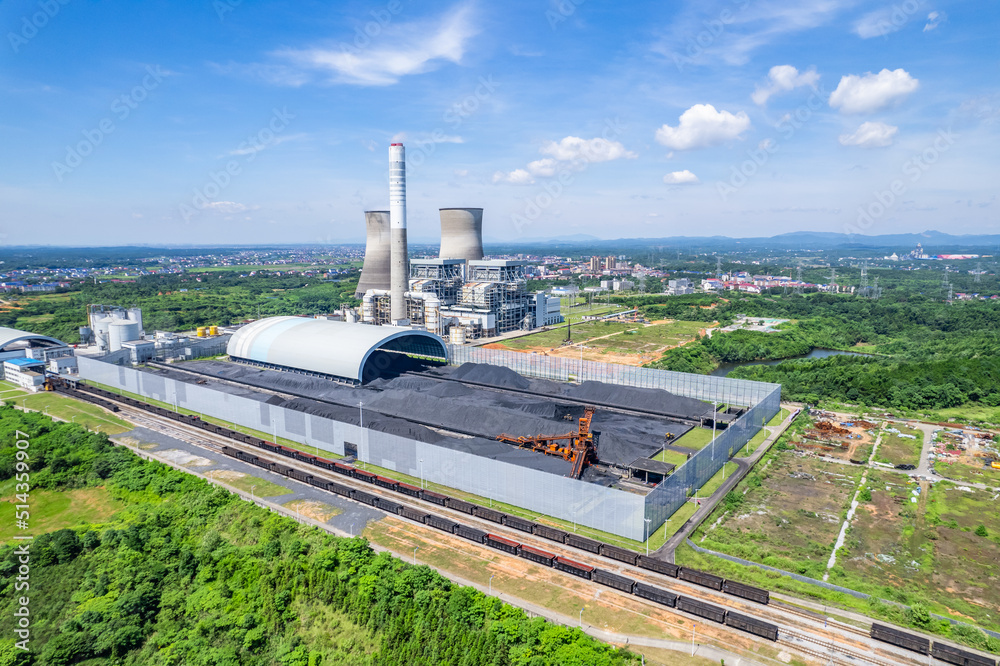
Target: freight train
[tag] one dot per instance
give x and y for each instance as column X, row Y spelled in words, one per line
column 733, row 619
column 921, row 645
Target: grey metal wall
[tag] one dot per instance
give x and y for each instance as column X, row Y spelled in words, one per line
column 588, row 504
column 671, row 494
column 703, row 387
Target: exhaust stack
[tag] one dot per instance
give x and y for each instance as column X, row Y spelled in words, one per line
column 399, row 264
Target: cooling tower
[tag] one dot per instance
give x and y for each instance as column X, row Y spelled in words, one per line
column 375, row 272
column 399, row 264
column 461, row 234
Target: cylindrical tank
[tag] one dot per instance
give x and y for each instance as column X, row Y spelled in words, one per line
column 461, row 233
column 85, row 334
column 213, row 330
column 121, row 330
column 351, row 317
column 457, row 335
column 101, row 332
column 135, row 314
column 201, row 331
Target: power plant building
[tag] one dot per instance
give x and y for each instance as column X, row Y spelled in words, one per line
column 375, row 271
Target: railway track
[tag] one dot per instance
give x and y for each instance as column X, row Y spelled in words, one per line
column 841, row 652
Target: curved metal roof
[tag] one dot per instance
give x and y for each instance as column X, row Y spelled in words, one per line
column 11, row 335
column 327, row 347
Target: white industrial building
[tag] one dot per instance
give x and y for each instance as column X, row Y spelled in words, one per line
column 25, row 355
column 680, row 286
column 28, row 373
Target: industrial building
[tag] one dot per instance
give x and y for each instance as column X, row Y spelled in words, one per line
column 25, row 356
column 466, row 299
column 500, row 425
column 458, row 294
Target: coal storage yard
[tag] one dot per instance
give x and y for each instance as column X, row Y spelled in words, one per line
column 465, row 408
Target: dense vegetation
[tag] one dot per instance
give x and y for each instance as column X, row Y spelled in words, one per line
column 181, row 302
column 189, row 574
column 927, row 354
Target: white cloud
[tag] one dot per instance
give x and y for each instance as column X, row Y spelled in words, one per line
column 870, row 135
column 882, row 22
column 783, row 78
column 543, row 167
column 399, row 51
column 461, row 173
column 871, row 92
column 573, row 148
column 276, row 141
column 702, row 126
column 515, row 177
column 228, row 207
column 934, row 19
column 684, row 177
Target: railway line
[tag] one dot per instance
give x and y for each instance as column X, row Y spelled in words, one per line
column 437, row 511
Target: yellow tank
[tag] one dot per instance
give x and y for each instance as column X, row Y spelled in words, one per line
column 213, row 330
column 201, row 331
column 995, row 465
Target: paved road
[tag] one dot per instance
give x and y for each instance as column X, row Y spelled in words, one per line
column 666, row 551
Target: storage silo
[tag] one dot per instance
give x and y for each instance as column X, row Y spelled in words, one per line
column 121, row 330
column 375, row 272
column 461, row 234
column 101, row 325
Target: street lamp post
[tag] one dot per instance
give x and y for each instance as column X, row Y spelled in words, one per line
column 415, row 548
column 581, row 617
column 647, row 536
column 491, row 583
column 693, row 627
column 421, row 472
column 251, row 494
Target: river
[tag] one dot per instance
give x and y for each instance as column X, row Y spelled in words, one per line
column 726, row 368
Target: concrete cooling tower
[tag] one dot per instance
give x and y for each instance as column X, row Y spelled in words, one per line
column 461, row 234
column 375, row 272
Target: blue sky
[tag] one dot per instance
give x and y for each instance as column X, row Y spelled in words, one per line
column 264, row 122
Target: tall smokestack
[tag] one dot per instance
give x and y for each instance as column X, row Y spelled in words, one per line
column 399, row 265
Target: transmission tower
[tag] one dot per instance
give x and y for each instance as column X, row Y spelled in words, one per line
column 979, row 273
column 718, row 266
column 863, row 290
column 945, row 286
column 798, row 280
column 833, row 279
column 876, row 290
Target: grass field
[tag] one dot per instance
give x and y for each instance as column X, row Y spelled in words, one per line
column 54, row 510
column 718, row 479
column 791, row 519
column 897, row 450
column 695, row 438
column 928, row 548
column 89, row 416
column 642, row 339
column 555, row 337
column 258, row 486
column 962, row 472
column 276, row 267
column 671, row 457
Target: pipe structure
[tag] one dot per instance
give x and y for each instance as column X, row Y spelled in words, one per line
column 399, row 265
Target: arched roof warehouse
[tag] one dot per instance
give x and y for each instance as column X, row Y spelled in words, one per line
column 356, row 352
column 9, row 336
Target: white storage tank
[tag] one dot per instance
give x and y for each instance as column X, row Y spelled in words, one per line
column 101, row 332
column 122, row 330
column 457, row 335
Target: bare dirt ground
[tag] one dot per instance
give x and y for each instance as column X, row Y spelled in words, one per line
column 313, row 509
column 225, row 475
